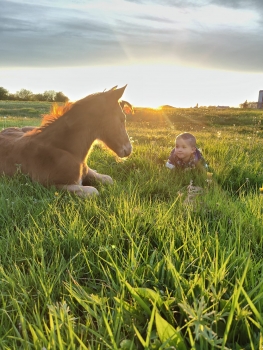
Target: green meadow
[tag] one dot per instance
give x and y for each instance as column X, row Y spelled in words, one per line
column 140, row 266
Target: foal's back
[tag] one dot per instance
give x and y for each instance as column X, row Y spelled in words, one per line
column 12, row 145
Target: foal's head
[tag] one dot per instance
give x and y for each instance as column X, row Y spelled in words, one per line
column 109, row 120
column 114, row 133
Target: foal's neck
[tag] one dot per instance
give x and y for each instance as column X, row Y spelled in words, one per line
column 69, row 134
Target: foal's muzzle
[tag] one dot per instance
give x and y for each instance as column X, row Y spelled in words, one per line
column 125, row 151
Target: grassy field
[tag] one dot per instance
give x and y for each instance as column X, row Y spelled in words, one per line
column 139, row 267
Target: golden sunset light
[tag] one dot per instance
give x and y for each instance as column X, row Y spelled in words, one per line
column 131, row 174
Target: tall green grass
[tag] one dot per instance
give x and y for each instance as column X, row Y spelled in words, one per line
column 136, row 267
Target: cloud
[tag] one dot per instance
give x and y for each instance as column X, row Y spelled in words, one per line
column 35, row 35
column 246, row 4
column 156, row 31
column 241, row 4
column 219, row 50
column 174, row 3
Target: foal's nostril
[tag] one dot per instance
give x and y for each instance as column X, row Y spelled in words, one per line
column 127, row 151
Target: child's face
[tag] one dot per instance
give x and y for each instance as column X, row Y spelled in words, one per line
column 183, row 149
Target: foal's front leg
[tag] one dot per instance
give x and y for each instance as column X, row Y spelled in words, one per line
column 92, row 176
column 82, row 191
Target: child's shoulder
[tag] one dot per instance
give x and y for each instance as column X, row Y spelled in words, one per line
column 200, row 159
column 198, row 152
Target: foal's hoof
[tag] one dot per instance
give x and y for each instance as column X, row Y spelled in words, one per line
column 87, row 191
column 106, row 179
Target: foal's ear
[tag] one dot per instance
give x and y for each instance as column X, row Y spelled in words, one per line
column 117, row 93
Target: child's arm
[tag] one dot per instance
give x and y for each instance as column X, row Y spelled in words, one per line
column 169, row 164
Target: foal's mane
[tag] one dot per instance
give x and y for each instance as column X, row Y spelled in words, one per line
column 58, row 111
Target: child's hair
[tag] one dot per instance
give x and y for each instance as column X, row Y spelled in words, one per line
column 187, row 137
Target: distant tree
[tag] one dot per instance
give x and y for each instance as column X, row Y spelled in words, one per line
column 12, row 97
column 27, row 95
column 3, row 93
column 244, row 105
column 24, row 95
column 60, row 97
column 39, row 97
column 49, row 95
column 166, row 107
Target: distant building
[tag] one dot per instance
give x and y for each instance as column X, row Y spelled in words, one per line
column 222, row 107
column 252, row 105
column 260, row 99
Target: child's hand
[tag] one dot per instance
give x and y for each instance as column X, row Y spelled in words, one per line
column 169, row 165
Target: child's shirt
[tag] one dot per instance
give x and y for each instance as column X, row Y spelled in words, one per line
column 195, row 160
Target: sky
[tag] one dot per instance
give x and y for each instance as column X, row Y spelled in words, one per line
column 176, row 52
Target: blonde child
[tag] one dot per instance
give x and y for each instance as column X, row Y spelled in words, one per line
column 185, row 154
